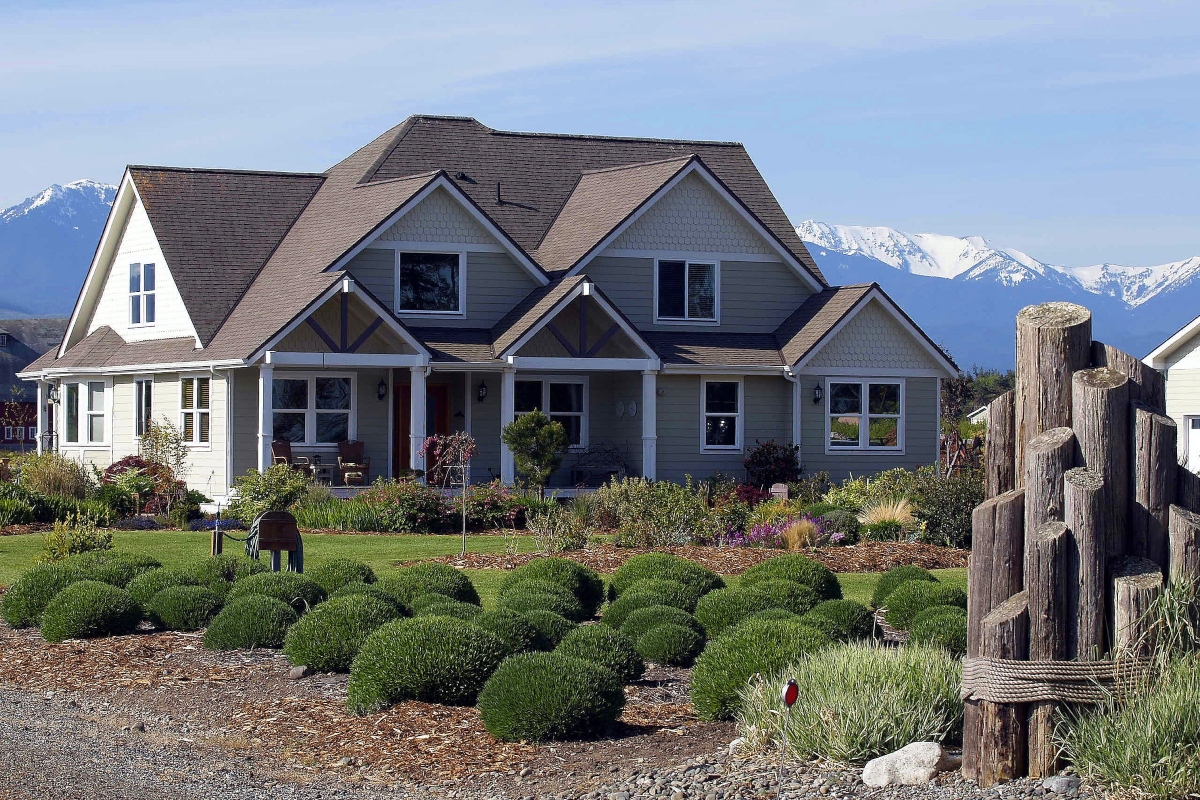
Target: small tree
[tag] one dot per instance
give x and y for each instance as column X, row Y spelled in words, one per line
column 14, row 413
column 448, row 460
column 537, row 444
column 770, row 462
column 163, row 444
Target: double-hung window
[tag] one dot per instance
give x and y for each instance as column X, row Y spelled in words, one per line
column 195, row 403
column 84, row 409
column 865, row 414
column 564, row 400
column 20, row 435
column 141, row 294
column 430, row 283
column 313, row 409
column 143, row 397
column 721, row 406
column 687, row 291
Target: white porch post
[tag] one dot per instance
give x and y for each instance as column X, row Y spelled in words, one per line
column 416, row 423
column 797, row 404
column 42, row 427
column 266, row 375
column 649, row 424
column 508, row 385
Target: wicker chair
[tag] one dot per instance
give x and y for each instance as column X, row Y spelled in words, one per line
column 353, row 463
column 281, row 453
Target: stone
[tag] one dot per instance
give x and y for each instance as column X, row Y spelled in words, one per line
column 297, row 673
column 1061, row 784
column 913, row 765
column 139, row 727
column 735, row 744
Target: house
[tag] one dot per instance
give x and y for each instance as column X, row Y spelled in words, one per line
column 21, row 342
column 979, row 415
column 1178, row 359
column 650, row 295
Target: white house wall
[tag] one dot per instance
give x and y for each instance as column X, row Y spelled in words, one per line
column 873, row 339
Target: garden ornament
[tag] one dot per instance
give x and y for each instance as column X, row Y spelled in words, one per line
column 791, row 692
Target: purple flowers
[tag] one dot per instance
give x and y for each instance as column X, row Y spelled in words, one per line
column 774, row 534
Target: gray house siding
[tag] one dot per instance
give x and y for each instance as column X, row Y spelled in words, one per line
column 245, row 420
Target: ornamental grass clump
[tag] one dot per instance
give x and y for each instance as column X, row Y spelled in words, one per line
column 430, row 578
column 527, row 596
column 913, row 597
column 431, row 659
column 296, row 590
column 550, row 625
column 605, row 646
column 336, row 573
column 670, row 645
column 643, row 619
column 517, row 633
column 891, row 580
column 842, row 620
column 250, row 621
column 183, row 608
column 329, row 637
column 22, row 605
column 88, row 609
column 798, row 569
column 941, row 626
column 667, row 567
column 145, row 586
column 539, row 697
column 583, row 582
column 857, row 702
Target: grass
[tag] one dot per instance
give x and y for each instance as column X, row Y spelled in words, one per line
column 175, row 548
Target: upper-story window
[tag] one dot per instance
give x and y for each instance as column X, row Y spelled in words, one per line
column 141, row 294
column 431, row 283
column 686, row 291
column 3, row 340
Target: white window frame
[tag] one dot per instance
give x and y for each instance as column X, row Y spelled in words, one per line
column 716, row 319
column 310, row 413
column 141, row 296
column 8, row 433
column 20, row 433
column 546, row 380
column 195, row 443
column 83, row 413
column 864, row 428
column 462, row 281
column 705, row 447
column 137, row 402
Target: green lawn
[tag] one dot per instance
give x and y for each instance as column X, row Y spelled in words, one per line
column 17, row 554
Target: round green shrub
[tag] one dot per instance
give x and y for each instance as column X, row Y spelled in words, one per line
column 788, row 595
column 24, row 602
column 336, row 573
column 329, row 637
column 296, row 590
column 522, row 598
column 891, row 580
column 145, row 586
column 671, row 592
column 799, row 569
column 538, row 697
column 720, row 610
column 670, row 645
column 665, row 566
column 913, row 597
column 88, row 609
column 643, row 619
column 552, row 626
column 605, row 646
column 942, row 626
column 586, row 584
column 840, row 521
column 183, row 608
column 842, row 620
column 517, row 633
column 430, row 577
column 616, row 612
column 450, row 608
column 774, row 613
column 758, row 646
column 112, row 567
column 219, row 572
column 431, row 659
column 371, row 590
column 249, row 621
column 535, row 585
column 421, row 602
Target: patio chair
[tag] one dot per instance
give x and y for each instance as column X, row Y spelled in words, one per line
column 353, row 463
column 281, row 453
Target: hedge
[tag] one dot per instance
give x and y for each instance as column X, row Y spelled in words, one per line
column 539, row 697
column 253, row 620
column 605, row 646
column 583, row 582
column 430, row 578
column 329, row 637
column 799, row 569
column 667, row 566
column 296, row 590
column 183, row 608
column 87, row 609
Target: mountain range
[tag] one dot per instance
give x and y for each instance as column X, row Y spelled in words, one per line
column 964, row 291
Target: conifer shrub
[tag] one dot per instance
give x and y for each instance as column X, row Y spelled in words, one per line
column 645, row 594
column 220, row 572
column 450, row 608
column 583, row 582
column 891, row 580
column 250, row 621
column 183, row 608
column 720, row 610
column 672, row 592
column 758, row 646
column 643, row 619
column 431, row 659
column 517, row 633
column 788, row 595
column 796, row 568
column 941, row 626
column 112, row 567
column 329, row 637
column 424, row 601
column 537, row 697
column 24, row 602
column 842, row 620
column 605, row 646
column 535, row 585
column 371, row 590
column 665, row 566
column 524, row 597
column 430, row 577
column 145, row 586
column 913, row 597
column 336, row 573
column 670, row 645
column 87, row 609
column 774, row 613
column 296, row 590
column 550, row 625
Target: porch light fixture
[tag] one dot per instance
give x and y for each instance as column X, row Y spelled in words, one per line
column 481, row 392
column 52, row 394
column 382, row 389
column 818, row 394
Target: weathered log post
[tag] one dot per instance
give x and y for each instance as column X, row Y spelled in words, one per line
column 1185, row 547
column 1146, row 384
column 1136, row 584
column 1154, row 483
column 1085, row 504
column 1100, row 419
column 1187, row 489
column 1054, row 340
column 1048, row 557
column 1048, row 457
column 1004, row 748
column 1000, row 460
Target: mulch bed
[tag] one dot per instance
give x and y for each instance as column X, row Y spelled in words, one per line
column 19, row 530
column 863, row 557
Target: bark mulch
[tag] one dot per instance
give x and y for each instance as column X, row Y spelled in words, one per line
column 19, row 530
column 862, row 557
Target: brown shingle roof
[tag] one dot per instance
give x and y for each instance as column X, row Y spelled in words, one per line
column 104, row 348
column 457, row 344
column 817, row 316
column 27, row 339
column 529, row 311
column 716, row 349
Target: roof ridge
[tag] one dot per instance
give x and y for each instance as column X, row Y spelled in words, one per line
column 221, row 170
column 607, row 138
column 639, row 164
column 387, row 181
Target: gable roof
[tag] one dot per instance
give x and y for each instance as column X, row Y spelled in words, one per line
column 536, row 305
column 1159, row 357
column 104, row 349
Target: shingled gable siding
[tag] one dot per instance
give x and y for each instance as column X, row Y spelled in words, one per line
column 438, row 218
column 138, row 244
column 545, row 343
column 873, row 339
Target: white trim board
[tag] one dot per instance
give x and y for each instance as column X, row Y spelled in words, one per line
column 1158, row 358
column 583, row 364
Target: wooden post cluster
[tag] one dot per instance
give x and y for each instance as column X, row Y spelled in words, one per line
column 1087, row 516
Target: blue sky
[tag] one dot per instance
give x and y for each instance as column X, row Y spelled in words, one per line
column 1066, row 129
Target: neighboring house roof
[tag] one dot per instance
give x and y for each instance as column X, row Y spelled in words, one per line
column 1159, row 357
column 27, row 339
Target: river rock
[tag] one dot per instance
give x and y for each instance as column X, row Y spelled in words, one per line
column 913, row 765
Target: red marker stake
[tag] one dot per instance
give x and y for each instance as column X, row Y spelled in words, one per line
column 791, row 692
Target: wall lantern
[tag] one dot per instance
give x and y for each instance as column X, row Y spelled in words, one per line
column 481, row 392
column 382, row 389
column 52, row 394
column 818, row 394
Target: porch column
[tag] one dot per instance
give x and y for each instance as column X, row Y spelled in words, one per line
column 266, row 375
column 650, row 424
column 797, row 405
column 416, row 422
column 508, row 383
column 42, row 427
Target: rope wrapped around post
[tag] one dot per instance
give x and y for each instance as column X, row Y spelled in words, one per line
column 998, row 680
column 283, row 536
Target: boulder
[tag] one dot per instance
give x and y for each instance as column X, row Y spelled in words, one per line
column 913, row 765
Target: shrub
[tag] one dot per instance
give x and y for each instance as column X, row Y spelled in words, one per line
column 431, row 659
column 274, row 489
column 605, row 646
column 491, row 505
column 655, row 513
column 296, row 590
column 820, row 509
column 773, row 513
column 183, row 608
column 405, row 505
column 725, row 608
column 887, row 531
column 22, row 605
column 15, row 512
column 88, row 609
column 547, row 696
column 430, row 578
column 72, row 537
column 665, row 566
column 218, row 572
column 449, row 608
column 776, row 614
column 897, row 511
column 328, row 638
column 751, row 495
column 854, row 493
column 798, row 569
column 842, row 620
column 669, row 592
column 857, row 702
column 618, row 610
column 891, row 580
column 945, row 505
column 145, row 586
column 424, row 601
column 371, row 590
column 584, row 583
column 534, row 585
column 112, row 567
column 55, row 475
column 670, row 645
column 556, row 530
column 770, row 462
column 537, row 444
column 330, row 513
column 788, row 595
column 756, row 646
column 809, row 489
column 250, row 621
column 526, row 597
column 119, row 501
column 913, row 597
column 941, row 626
column 643, row 619
column 517, row 633
column 803, row 533
column 553, row 627
column 336, row 573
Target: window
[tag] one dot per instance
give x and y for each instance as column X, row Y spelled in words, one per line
column 31, row 432
column 312, row 409
column 95, row 412
column 8, row 433
column 194, row 403
column 722, row 409
column 430, row 283
column 20, row 437
column 3, row 340
column 687, row 290
column 143, row 393
column 563, row 399
column 865, row 415
column 71, row 409
column 141, row 294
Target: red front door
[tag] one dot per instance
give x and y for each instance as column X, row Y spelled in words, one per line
column 437, row 419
